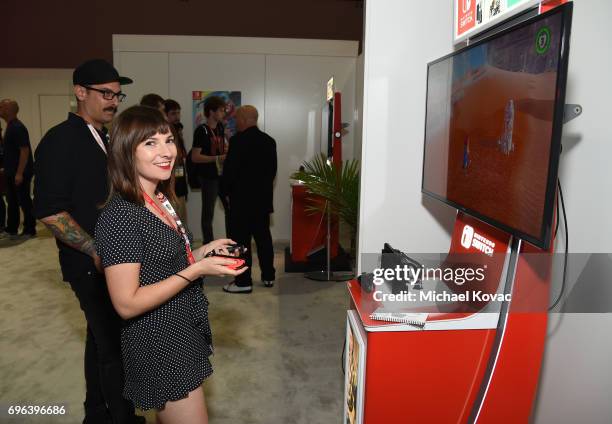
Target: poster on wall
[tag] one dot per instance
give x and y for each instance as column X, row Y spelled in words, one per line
column 475, row 16
column 233, row 100
column 354, row 366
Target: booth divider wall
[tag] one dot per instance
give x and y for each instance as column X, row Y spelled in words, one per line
column 400, row 39
column 285, row 79
column 43, row 95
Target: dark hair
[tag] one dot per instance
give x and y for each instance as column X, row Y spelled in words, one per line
column 177, row 131
column 212, row 104
column 152, row 100
column 133, row 126
column 170, row 104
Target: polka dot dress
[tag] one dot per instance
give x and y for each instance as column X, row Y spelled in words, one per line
column 166, row 350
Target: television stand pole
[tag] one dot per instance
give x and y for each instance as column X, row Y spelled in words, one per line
column 327, row 274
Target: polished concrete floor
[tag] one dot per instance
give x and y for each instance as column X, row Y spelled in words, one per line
column 277, row 358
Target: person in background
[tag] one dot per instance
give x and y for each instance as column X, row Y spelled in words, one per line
column 173, row 114
column 18, row 172
column 209, row 149
column 173, row 111
column 3, row 233
column 248, row 185
column 155, row 101
column 153, row 275
column 71, row 183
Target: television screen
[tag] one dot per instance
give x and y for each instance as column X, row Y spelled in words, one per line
column 327, row 128
column 494, row 113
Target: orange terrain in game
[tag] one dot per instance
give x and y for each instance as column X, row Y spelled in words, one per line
column 499, row 149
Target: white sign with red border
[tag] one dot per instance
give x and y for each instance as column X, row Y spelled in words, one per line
column 474, row 16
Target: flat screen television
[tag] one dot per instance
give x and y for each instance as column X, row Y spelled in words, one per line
column 327, row 119
column 494, row 115
column 327, row 128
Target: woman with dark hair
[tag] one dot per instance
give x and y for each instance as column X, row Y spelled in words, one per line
column 153, row 276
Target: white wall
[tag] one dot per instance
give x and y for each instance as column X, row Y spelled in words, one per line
column 576, row 381
column 43, row 96
column 400, row 39
column 585, row 171
column 293, row 113
column 149, row 70
column 285, row 79
column 358, row 113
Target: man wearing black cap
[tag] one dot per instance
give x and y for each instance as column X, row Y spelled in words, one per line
column 70, row 185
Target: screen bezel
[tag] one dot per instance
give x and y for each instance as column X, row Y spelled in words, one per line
column 543, row 241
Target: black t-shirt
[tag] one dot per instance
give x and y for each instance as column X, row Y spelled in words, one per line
column 203, row 138
column 15, row 137
column 71, row 176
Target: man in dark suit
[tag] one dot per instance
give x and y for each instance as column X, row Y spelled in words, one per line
column 18, row 171
column 248, row 184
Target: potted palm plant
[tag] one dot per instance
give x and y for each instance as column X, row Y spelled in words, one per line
column 338, row 186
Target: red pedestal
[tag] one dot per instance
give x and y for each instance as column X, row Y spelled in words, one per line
column 463, row 365
column 337, row 128
column 308, row 231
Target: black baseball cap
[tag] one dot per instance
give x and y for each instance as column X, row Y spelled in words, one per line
column 97, row 71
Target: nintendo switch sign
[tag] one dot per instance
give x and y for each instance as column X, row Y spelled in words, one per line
column 466, row 18
column 471, row 239
column 473, row 16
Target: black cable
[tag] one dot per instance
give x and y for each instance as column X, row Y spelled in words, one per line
column 558, row 219
column 566, row 247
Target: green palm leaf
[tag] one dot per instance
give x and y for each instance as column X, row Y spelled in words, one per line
column 340, row 187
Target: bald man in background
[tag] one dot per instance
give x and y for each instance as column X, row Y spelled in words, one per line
column 18, row 171
column 248, row 184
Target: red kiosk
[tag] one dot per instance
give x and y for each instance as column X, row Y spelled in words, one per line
column 461, row 366
column 467, row 364
column 309, row 232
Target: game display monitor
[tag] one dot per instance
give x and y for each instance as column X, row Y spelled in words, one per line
column 327, row 128
column 494, row 114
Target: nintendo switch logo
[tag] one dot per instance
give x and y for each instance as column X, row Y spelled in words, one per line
column 466, row 15
column 469, row 239
column 467, row 236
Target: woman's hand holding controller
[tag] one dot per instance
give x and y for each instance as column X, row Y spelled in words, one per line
column 219, row 265
column 219, row 246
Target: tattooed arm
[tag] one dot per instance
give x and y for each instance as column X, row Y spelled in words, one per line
column 67, row 230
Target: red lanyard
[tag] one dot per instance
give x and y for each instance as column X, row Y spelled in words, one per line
column 217, row 142
column 175, row 223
